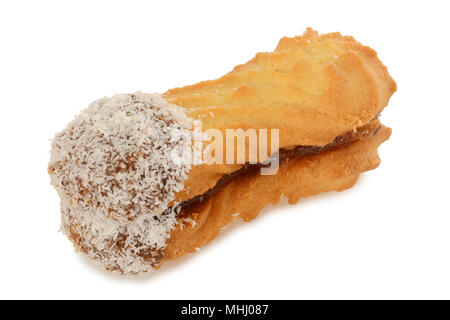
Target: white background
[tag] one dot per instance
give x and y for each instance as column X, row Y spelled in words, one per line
column 388, row 237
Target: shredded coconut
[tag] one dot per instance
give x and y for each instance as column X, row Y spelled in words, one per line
column 127, row 247
column 113, row 170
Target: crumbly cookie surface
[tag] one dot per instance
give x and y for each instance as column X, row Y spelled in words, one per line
column 311, row 87
column 244, row 198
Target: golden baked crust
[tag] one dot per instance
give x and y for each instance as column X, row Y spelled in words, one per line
column 299, row 177
column 312, row 88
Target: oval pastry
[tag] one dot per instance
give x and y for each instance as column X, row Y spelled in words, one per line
column 136, row 190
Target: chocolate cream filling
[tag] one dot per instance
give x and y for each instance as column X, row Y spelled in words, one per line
column 341, row 141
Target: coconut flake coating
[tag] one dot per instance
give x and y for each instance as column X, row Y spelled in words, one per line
column 114, row 170
column 117, row 155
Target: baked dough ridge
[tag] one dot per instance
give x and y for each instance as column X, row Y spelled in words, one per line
column 297, row 178
column 312, row 88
